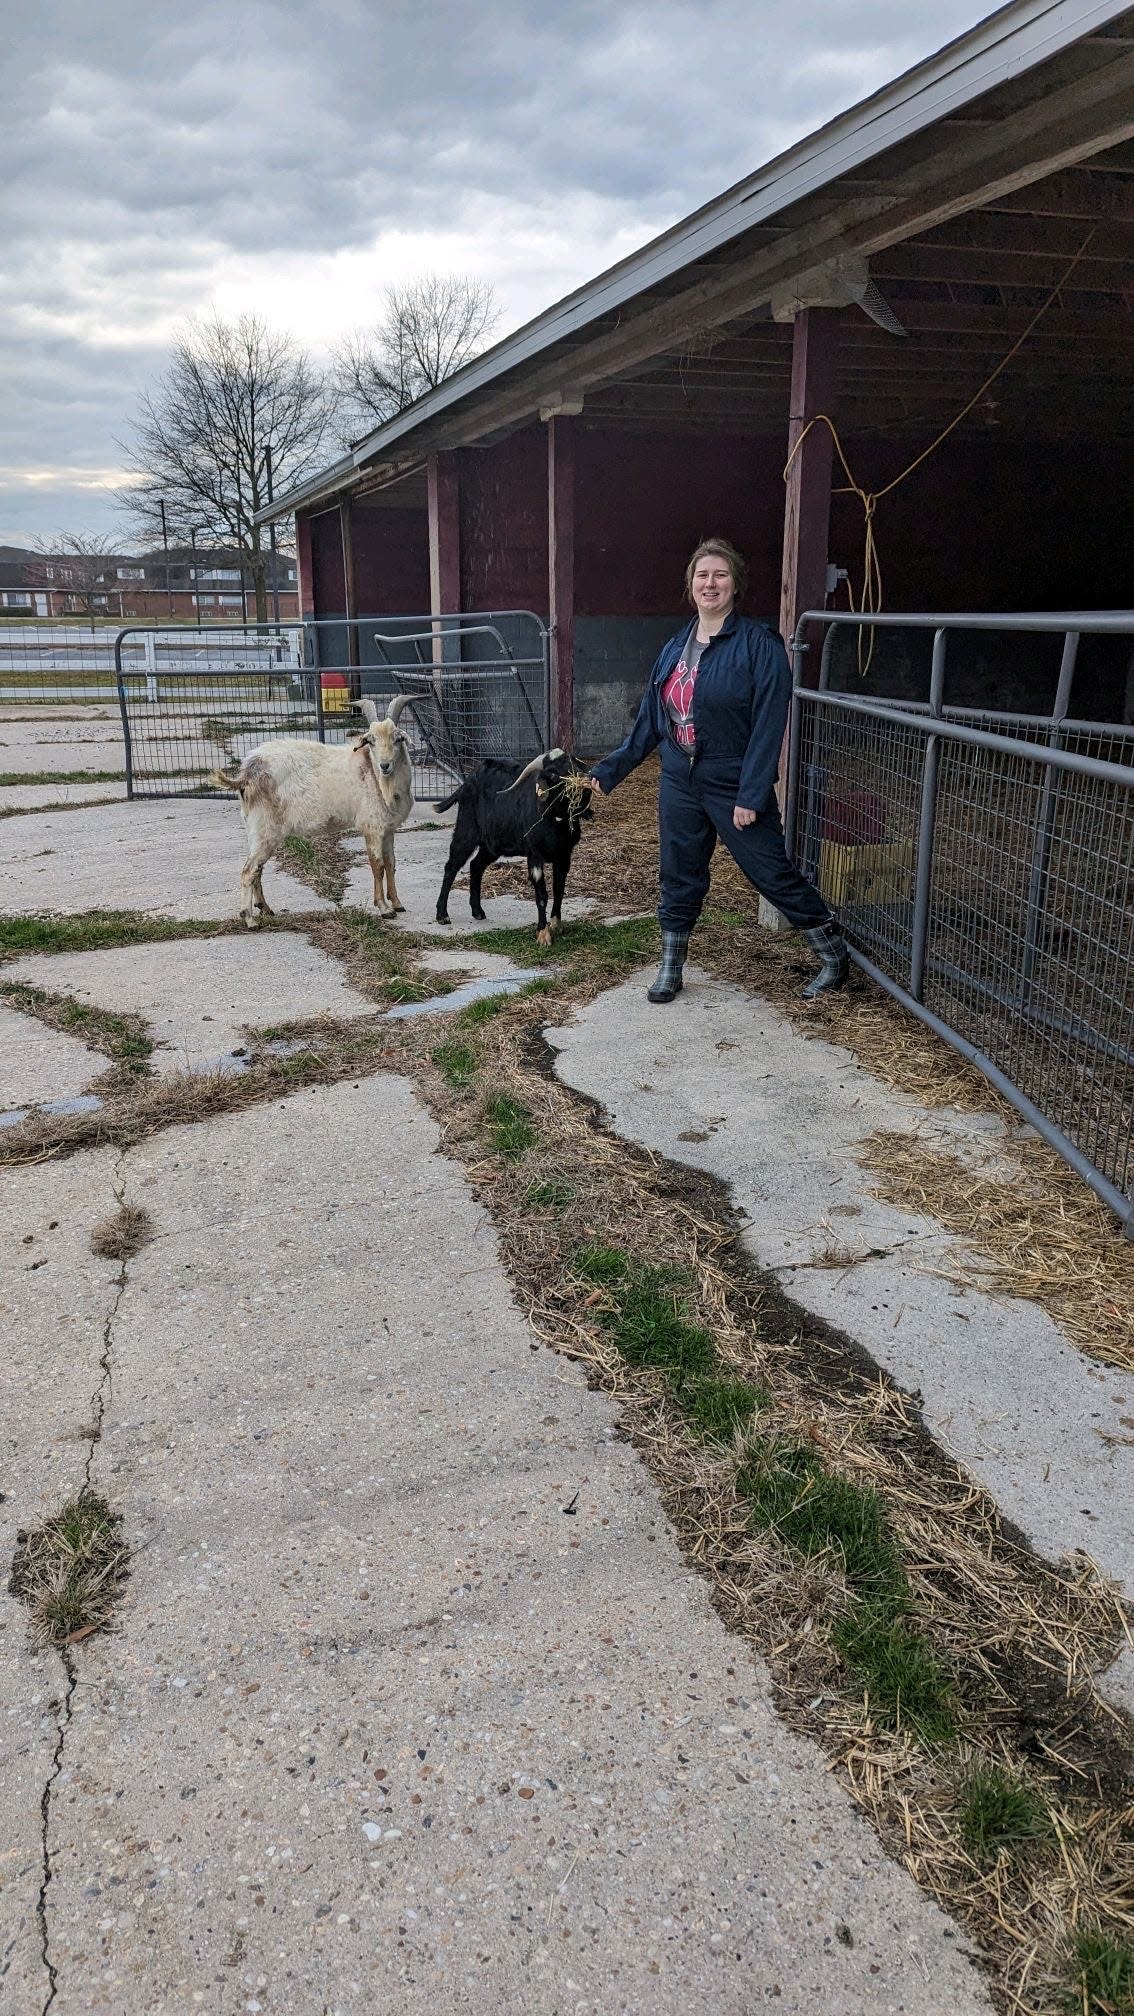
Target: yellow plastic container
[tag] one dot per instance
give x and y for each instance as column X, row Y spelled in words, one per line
column 878, row 871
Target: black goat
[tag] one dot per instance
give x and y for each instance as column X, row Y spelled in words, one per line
column 532, row 809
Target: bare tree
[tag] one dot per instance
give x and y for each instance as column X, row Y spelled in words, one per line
column 237, row 396
column 78, row 566
column 426, row 331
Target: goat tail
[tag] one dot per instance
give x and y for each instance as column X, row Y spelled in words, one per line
column 221, row 782
column 446, row 804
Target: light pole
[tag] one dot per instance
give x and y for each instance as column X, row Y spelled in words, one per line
column 272, row 540
column 165, row 543
column 193, row 531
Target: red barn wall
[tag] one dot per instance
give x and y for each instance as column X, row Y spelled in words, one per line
column 391, row 560
column 503, row 496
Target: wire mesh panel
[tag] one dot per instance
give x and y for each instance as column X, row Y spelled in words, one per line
column 860, row 789
column 197, row 701
column 982, row 866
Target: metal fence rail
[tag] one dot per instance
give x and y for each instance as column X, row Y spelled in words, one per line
column 982, row 866
column 195, row 701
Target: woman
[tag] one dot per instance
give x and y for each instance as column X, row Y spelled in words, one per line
column 717, row 702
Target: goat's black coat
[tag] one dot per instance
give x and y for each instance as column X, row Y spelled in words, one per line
column 536, row 822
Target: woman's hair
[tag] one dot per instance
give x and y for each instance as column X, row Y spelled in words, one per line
column 721, row 549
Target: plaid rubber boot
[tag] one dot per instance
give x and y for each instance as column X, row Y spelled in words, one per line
column 829, row 945
column 675, row 944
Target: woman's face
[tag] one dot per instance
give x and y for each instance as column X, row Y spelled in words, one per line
column 712, row 586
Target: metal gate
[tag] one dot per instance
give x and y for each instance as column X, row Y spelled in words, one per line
column 982, row 866
column 197, row 700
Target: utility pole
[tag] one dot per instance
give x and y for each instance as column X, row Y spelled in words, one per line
column 165, row 543
column 193, row 531
column 272, row 540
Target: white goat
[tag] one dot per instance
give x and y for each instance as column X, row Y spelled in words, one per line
column 309, row 787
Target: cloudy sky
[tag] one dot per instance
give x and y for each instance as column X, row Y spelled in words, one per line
column 156, row 161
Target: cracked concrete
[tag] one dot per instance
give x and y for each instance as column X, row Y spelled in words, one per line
column 722, row 1081
column 38, row 1063
column 380, row 1726
column 56, row 1305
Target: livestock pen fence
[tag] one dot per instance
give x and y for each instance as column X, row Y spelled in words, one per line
column 193, row 701
column 982, row 866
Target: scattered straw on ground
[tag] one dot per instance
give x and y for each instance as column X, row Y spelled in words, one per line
column 1040, row 1234
column 122, row 1233
column 70, row 1571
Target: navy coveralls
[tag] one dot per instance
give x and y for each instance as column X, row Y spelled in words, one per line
column 740, row 707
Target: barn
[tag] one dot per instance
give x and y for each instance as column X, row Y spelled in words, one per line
column 893, row 366
column 975, row 217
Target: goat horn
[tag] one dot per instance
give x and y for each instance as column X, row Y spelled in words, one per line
column 399, row 701
column 537, row 763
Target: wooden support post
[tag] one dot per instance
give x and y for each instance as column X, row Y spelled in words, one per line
column 443, row 493
column 807, row 505
column 304, row 576
column 350, row 599
column 561, row 573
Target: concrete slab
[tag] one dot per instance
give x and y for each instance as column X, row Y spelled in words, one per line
column 171, row 858
column 38, row 1063
column 55, row 1300
column 381, row 1727
column 199, row 994
column 722, row 1081
column 34, row 744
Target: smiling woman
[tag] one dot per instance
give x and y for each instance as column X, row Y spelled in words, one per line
column 717, row 703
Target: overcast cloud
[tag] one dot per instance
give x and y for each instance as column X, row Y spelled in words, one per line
column 295, row 157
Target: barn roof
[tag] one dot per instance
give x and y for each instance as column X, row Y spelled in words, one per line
column 966, row 186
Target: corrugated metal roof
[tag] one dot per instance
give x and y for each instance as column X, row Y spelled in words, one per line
column 1017, row 38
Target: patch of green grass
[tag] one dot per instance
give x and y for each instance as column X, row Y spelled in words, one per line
column 788, row 1491
column 301, row 850
column 998, row 1811
column 904, row 1681
column 510, row 1126
column 538, row 987
column 456, row 1063
column 1103, row 1983
column 716, row 1408
column 70, row 1570
column 482, row 1011
column 586, row 945
column 399, row 987
column 93, row 931
column 552, row 1195
column 648, row 1315
column 62, row 777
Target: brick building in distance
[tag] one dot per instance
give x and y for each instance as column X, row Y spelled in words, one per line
column 206, row 587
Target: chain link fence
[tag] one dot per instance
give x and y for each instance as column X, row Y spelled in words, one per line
column 195, row 701
column 982, row 866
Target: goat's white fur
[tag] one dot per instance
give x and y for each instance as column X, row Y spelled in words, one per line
column 310, row 787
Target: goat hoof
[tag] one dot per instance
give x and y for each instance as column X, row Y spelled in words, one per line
column 481, row 916
column 543, row 937
column 398, row 910
column 555, row 927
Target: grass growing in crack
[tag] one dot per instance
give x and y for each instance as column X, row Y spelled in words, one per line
column 321, row 863
column 904, row 1682
column 584, row 947
column 554, row 1194
column 786, row 1488
column 482, row 1011
column 510, row 1126
column 456, row 1063
column 717, row 1408
column 376, row 956
column 15, row 777
column 997, row 1810
column 122, row 1233
column 95, row 930
column 1103, row 1976
column 70, row 1571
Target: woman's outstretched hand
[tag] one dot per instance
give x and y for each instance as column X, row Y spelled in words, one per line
column 594, row 785
column 741, row 816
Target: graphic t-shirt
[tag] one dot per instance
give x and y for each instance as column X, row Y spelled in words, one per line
column 677, row 693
